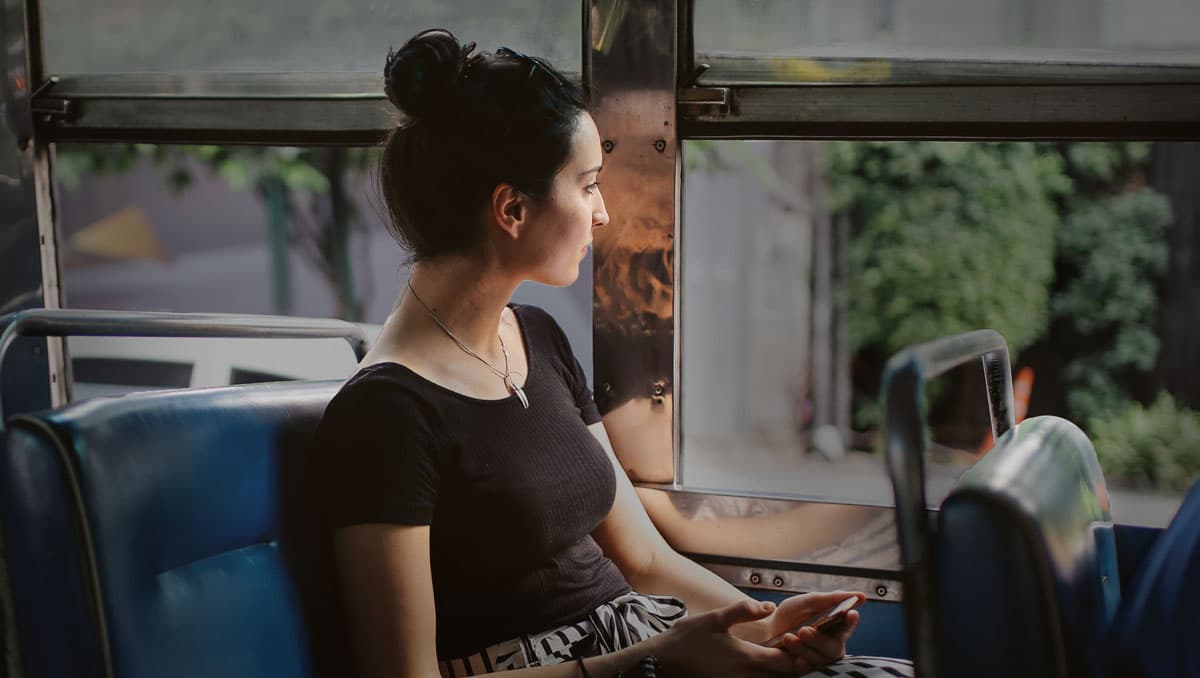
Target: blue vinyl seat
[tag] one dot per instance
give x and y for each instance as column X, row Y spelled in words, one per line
column 170, row 534
column 1157, row 631
column 1025, row 564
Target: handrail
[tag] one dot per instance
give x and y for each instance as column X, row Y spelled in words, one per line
column 53, row 322
column 904, row 409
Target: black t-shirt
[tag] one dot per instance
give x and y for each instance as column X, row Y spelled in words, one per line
column 511, row 495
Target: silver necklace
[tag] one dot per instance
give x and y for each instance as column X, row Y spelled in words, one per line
column 506, row 375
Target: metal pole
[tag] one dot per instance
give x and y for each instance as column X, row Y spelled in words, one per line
column 47, row 209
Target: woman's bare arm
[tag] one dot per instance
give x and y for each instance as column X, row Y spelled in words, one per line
column 631, row 540
column 388, row 589
column 388, row 594
column 651, row 565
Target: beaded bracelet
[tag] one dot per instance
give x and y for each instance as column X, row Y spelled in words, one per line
column 647, row 667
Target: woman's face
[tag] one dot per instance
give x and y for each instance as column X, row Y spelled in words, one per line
column 562, row 223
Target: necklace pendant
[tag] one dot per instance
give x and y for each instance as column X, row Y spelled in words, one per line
column 518, row 391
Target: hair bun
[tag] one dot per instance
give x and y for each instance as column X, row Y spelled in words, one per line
column 418, row 75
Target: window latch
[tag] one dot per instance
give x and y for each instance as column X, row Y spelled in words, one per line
column 694, row 102
column 47, row 109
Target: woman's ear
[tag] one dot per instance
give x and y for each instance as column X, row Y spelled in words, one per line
column 509, row 209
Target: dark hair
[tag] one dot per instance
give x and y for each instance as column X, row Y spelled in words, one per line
column 469, row 123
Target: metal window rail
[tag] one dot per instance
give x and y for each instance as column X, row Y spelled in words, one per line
column 904, row 408
column 73, row 322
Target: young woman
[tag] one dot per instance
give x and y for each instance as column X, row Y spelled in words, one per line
column 482, row 520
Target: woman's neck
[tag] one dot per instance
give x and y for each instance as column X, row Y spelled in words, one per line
column 466, row 295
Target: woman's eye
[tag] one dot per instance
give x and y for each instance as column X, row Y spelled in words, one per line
column 591, row 188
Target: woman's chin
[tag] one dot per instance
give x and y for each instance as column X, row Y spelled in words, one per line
column 569, row 279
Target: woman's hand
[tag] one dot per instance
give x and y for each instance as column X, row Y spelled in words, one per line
column 810, row 649
column 702, row 645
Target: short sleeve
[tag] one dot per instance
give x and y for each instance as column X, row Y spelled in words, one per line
column 378, row 456
column 576, row 377
column 583, row 395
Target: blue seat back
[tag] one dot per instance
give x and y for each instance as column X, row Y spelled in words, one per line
column 1025, row 560
column 1157, row 632
column 169, row 534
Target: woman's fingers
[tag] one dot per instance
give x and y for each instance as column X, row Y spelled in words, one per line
column 814, row 650
column 772, row 659
column 740, row 613
column 818, row 601
column 852, row 618
column 825, row 600
column 823, row 647
column 806, row 660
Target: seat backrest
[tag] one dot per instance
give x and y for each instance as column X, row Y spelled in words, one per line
column 1157, row 632
column 1025, row 559
column 170, row 534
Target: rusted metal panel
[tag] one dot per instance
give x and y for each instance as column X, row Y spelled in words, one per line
column 632, row 82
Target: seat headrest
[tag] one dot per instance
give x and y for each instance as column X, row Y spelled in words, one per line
column 1026, row 559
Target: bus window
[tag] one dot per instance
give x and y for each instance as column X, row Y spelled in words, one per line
column 315, row 36
column 235, row 229
column 93, row 376
column 809, row 263
column 942, row 41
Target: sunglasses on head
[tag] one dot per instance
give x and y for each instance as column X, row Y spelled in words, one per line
column 535, row 64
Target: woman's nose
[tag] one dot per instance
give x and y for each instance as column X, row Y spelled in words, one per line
column 600, row 214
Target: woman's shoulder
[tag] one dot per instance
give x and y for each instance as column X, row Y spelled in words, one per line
column 538, row 321
column 531, row 313
column 375, row 377
column 384, row 393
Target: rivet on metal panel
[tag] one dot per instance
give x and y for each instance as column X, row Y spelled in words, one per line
column 608, row 145
column 660, row 145
column 755, row 578
column 881, row 590
column 778, row 582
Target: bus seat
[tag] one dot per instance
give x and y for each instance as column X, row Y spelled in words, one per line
column 1156, row 631
column 169, row 534
column 1025, row 568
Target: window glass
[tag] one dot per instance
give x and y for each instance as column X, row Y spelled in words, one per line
column 245, row 230
column 869, row 40
column 84, row 36
column 807, row 264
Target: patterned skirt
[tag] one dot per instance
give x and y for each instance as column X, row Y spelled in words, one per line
column 623, row 621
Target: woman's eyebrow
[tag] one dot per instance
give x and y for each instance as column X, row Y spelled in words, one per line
column 597, row 169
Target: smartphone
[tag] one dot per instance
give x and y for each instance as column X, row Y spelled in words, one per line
column 828, row 621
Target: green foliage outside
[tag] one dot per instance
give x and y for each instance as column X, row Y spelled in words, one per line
column 1112, row 252
column 1044, row 243
column 947, row 237
column 243, row 168
column 1158, row 446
